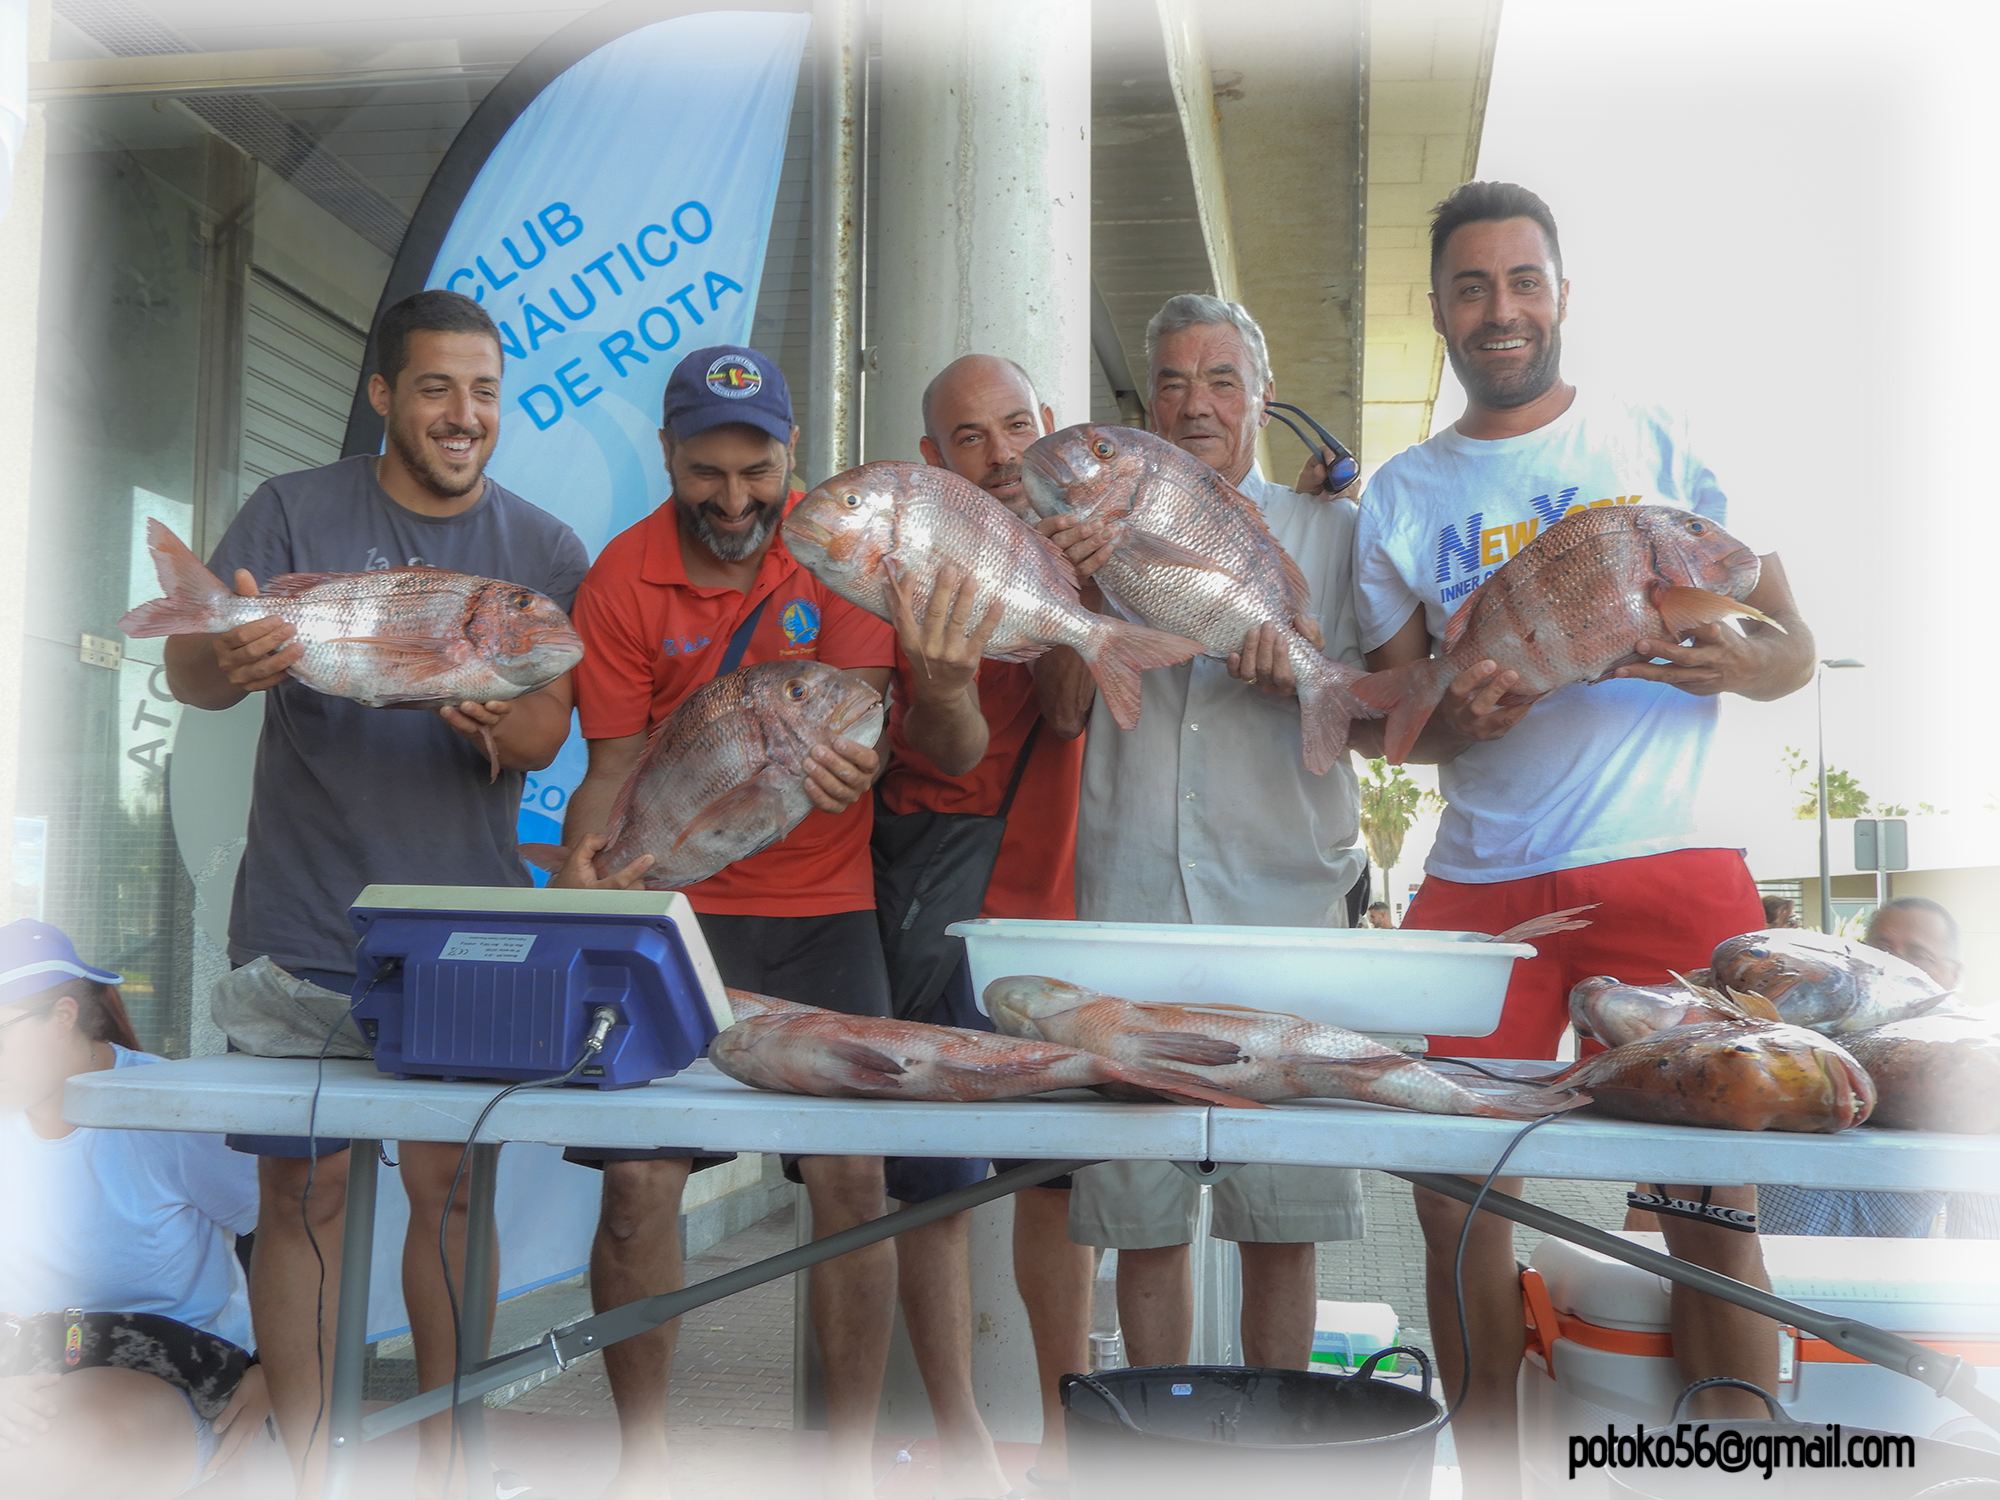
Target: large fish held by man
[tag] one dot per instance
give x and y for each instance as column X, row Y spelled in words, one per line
column 724, row 775
column 1729, row 1075
column 890, row 527
column 809, row 1051
column 1193, row 557
column 386, row 638
column 1259, row 1054
column 1572, row 606
column 1832, row 984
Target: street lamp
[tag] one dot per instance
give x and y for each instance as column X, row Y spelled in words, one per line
column 1825, row 859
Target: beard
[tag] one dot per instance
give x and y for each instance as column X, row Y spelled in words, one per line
column 726, row 546
column 1503, row 392
column 415, row 452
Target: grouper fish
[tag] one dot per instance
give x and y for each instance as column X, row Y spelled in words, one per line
column 1260, row 1054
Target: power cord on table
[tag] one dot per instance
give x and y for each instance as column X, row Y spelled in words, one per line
column 383, row 970
column 1458, row 1266
column 602, row 1019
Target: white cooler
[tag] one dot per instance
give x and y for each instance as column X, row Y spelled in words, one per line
column 1600, row 1348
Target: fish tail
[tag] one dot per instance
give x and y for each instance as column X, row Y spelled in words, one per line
column 1407, row 694
column 1326, row 708
column 1527, row 1104
column 1118, row 651
column 550, row 857
column 194, row 596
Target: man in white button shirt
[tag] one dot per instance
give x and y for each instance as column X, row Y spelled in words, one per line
column 1205, row 813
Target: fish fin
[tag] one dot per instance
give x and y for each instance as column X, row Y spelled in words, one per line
column 745, row 798
column 1527, row 1103
column 419, row 647
column 1407, row 694
column 1177, row 1085
column 193, row 594
column 291, row 585
column 1192, row 1050
column 1065, row 569
column 750, row 1003
column 1146, row 548
column 492, row 752
column 1366, row 1068
column 1117, row 653
column 550, row 857
column 1682, row 608
column 1327, row 706
column 861, row 1057
column 1026, row 651
column 1547, row 925
column 1208, row 1005
column 1461, row 619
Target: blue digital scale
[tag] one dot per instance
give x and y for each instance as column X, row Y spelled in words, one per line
column 502, row 982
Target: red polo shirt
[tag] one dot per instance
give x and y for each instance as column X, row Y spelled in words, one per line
column 651, row 638
column 1035, row 875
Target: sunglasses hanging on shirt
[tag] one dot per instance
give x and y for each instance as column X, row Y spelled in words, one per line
column 1343, row 466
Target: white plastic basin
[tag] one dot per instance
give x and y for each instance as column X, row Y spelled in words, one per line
column 1387, row 983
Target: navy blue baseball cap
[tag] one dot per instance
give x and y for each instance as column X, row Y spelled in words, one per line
column 35, row 957
column 727, row 383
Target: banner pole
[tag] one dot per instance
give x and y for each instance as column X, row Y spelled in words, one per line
column 840, row 56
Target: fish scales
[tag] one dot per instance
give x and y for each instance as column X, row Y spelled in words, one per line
column 1194, row 557
column 1829, row 983
column 1572, row 606
column 896, row 525
column 1934, row 1072
column 724, row 776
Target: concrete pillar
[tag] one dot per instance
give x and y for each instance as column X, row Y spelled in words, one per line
column 21, row 274
column 983, row 238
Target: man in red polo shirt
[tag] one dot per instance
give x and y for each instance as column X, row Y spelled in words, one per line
column 959, row 730
column 659, row 611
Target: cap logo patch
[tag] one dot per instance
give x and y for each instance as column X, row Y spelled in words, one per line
column 735, row 377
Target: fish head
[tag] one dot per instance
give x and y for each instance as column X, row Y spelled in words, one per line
column 1017, row 1002
column 522, row 634
column 1694, row 552
column 1803, row 1064
column 844, row 529
column 1768, row 963
column 1089, row 470
column 814, row 703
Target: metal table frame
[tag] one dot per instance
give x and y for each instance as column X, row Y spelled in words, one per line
column 269, row 1096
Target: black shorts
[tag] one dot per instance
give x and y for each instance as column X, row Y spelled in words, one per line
column 834, row 962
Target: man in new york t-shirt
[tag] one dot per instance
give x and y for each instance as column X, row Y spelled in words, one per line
column 1584, row 795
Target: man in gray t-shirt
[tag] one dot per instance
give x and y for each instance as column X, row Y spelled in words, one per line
column 345, row 795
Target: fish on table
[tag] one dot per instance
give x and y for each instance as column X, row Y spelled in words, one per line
column 724, row 774
column 890, row 527
column 1729, row 1075
column 1934, row 1072
column 1259, row 1054
column 1832, row 984
column 822, row 1052
column 1572, row 606
column 386, row 638
column 1193, row 556
column 1614, row 1013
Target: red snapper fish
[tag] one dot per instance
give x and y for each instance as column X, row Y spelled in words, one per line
column 1259, row 1054
column 1729, row 1075
column 823, row 1052
column 724, row 775
column 889, row 526
column 1194, row 557
column 391, row 637
column 1832, row 984
column 1572, row 606
column 1934, row 1073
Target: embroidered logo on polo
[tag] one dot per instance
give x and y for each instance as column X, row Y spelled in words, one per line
column 735, row 377
column 685, row 645
column 800, row 622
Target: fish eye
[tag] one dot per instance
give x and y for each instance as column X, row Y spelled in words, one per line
column 795, row 690
column 851, row 500
column 524, row 600
column 1696, row 528
column 1102, row 448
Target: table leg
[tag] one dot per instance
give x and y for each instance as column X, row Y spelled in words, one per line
column 350, row 1337
column 481, row 1270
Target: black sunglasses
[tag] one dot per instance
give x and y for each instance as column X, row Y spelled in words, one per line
column 1340, row 473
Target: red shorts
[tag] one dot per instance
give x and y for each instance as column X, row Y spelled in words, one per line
column 1658, row 912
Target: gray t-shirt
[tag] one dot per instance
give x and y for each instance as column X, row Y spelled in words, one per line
column 345, row 796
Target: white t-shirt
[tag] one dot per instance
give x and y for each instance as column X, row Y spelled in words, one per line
column 1592, row 773
column 126, row 1221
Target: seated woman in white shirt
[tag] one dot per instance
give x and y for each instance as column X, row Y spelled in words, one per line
column 124, row 1317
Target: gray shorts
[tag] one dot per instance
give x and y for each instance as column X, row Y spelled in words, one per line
column 1145, row 1205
